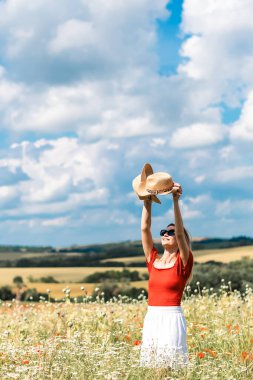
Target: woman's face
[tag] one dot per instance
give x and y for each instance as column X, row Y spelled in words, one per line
column 169, row 238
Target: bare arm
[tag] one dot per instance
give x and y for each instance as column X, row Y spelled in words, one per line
column 146, row 236
column 179, row 227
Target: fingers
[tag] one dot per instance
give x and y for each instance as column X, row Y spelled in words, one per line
column 177, row 188
column 177, row 191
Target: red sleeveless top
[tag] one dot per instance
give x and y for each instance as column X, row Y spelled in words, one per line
column 166, row 286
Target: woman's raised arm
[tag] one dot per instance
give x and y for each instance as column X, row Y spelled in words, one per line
column 179, row 226
column 146, row 236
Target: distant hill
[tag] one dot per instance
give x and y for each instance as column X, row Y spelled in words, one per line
column 25, row 248
column 198, row 243
column 92, row 255
column 219, row 243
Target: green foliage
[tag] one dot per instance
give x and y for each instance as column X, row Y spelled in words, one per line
column 18, row 280
column 49, row 280
column 124, row 275
column 6, row 293
column 210, row 274
column 46, row 280
column 25, row 248
column 33, row 295
column 218, row 243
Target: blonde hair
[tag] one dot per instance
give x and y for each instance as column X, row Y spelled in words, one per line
column 188, row 240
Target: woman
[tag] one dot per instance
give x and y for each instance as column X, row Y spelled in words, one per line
column 164, row 330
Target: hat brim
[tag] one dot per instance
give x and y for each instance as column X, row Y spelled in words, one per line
column 139, row 184
column 146, row 171
column 140, row 181
column 153, row 198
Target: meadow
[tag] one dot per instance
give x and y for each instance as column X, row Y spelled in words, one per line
column 67, row 277
column 98, row 340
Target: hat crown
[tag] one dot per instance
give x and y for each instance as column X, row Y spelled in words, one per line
column 159, row 182
column 149, row 183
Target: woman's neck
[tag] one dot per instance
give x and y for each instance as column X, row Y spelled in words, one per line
column 169, row 253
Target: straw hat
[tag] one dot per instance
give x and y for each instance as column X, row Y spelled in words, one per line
column 149, row 183
column 141, row 179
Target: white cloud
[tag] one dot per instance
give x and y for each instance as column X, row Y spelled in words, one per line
column 200, row 178
column 234, row 174
column 192, row 208
column 55, row 222
column 224, row 208
column 243, row 128
column 73, row 34
column 9, row 90
column 189, row 213
column 197, row 159
column 94, row 72
column 121, row 127
column 109, row 218
column 158, row 141
column 227, row 152
column 54, row 109
column 237, row 210
column 71, row 204
column 219, row 50
column 20, row 39
column 60, row 174
column 107, row 35
column 89, row 69
column 91, row 110
column 202, row 199
column 8, row 194
column 197, row 135
column 200, row 16
column 35, row 223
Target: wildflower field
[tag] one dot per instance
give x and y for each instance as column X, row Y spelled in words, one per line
column 102, row 340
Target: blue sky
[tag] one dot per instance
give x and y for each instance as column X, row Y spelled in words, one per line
column 91, row 90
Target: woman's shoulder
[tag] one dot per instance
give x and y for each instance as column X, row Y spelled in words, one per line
column 186, row 268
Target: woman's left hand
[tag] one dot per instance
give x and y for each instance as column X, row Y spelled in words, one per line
column 177, row 190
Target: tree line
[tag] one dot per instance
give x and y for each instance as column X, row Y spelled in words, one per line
column 238, row 274
column 93, row 255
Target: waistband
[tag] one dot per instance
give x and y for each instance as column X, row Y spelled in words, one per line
column 172, row 309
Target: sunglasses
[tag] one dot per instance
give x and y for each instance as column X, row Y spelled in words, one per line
column 169, row 233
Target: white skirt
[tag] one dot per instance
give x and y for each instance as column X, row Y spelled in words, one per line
column 164, row 338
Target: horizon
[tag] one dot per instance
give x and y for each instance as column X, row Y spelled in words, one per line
column 108, row 88
column 156, row 240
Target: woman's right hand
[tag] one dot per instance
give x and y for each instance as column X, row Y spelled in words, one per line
column 177, row 190
column 148, row 199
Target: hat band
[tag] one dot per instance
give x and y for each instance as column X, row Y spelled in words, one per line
column 159, row 191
